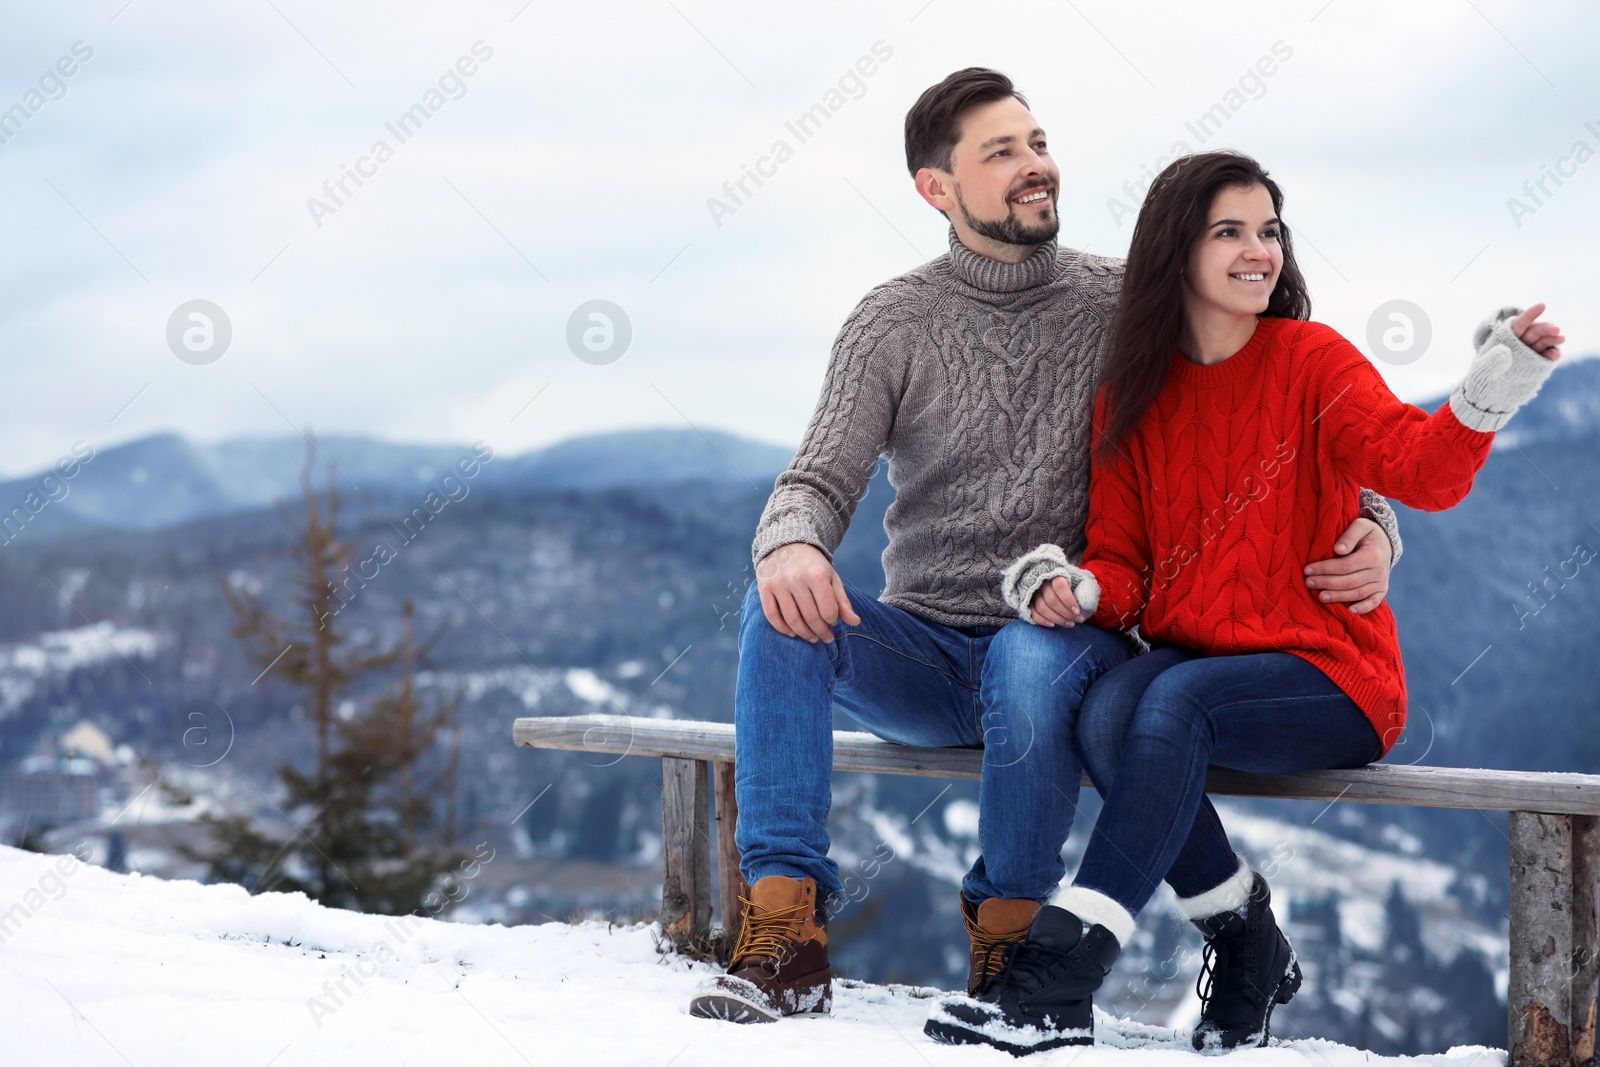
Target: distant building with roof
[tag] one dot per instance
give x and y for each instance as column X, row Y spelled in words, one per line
column 47, row 789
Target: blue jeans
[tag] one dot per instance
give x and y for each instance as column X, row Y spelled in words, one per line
column 1015, row 690
column 1149, row 729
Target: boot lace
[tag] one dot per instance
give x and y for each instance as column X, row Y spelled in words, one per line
column 1027, row 970
column 996, row 949
column 1225, row 977
column 768, row 933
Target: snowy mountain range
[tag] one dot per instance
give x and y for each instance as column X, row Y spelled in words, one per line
column 165, row 480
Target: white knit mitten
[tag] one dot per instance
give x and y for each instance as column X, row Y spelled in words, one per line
column 1505, row 375
column 1029, row 572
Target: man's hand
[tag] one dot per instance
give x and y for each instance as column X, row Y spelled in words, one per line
column 1361, row 571
column 1054, row 604
column 801, row 594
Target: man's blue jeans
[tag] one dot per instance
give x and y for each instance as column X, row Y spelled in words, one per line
column 1014, row 690
column 1148, row 730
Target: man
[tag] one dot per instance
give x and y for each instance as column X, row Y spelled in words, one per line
column 974, row 374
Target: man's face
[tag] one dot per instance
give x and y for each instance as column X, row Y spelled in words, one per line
column 1002, row 184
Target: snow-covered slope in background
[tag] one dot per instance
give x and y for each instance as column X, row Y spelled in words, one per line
column 57, row 653
column 97, row 967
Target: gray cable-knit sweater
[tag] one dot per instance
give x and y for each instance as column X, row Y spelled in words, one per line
column 975, row 379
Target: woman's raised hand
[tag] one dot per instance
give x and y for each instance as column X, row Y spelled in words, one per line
column 1542, row 337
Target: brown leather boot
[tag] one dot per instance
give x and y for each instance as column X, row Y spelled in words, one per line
column 993, row 925
column 780, row 966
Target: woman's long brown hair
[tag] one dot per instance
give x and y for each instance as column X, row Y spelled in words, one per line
column 1149, row 318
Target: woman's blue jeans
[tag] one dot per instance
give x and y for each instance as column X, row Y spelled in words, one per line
column 1014, row 690
column 1149, row 729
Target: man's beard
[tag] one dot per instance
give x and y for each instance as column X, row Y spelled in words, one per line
column 1011, row 230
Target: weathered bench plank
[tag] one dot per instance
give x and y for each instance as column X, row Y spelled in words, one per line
column 1427, row 787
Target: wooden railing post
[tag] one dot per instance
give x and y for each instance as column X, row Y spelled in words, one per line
column 732, row 885
column 686, row 884
column 1551, row 1001
column 1585, row 936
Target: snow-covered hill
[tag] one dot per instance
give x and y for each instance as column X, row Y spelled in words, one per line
column 104, row 968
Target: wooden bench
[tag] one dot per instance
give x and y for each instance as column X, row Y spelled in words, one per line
column 1555, row 973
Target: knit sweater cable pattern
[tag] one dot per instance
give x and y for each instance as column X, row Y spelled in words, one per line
column 1243, row 469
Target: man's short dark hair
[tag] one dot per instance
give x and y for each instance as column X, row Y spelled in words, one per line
column 933, row 125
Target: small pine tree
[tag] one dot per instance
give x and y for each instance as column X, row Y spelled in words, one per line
column 364, row 831
column 385, row 802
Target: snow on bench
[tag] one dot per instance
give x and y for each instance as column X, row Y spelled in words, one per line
column 1555, row 846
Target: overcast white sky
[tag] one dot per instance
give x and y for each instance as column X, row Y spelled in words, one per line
column 577, row 165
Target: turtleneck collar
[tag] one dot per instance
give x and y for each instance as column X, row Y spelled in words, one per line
column 991, row 275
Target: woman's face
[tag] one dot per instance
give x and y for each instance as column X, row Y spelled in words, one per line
column 1235, row 264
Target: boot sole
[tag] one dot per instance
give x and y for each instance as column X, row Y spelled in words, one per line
column 730, row 1008
column 733, row 1008
column 949, row 1033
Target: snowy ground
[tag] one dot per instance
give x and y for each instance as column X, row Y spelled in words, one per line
column 103, row 968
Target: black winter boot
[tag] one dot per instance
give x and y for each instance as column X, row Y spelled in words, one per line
column 1042, row 998
column 1249, row 969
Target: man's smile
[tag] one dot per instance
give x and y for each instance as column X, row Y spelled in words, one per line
column 1034, row 196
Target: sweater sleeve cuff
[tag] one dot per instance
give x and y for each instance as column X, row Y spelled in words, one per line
column 1505, row 375
column 1029, row 572
column 786, row 531
column 1376, row 508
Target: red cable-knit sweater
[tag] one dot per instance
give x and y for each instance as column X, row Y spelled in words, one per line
column 1243, row 470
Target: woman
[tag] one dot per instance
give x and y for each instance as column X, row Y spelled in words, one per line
column 1232, row 436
